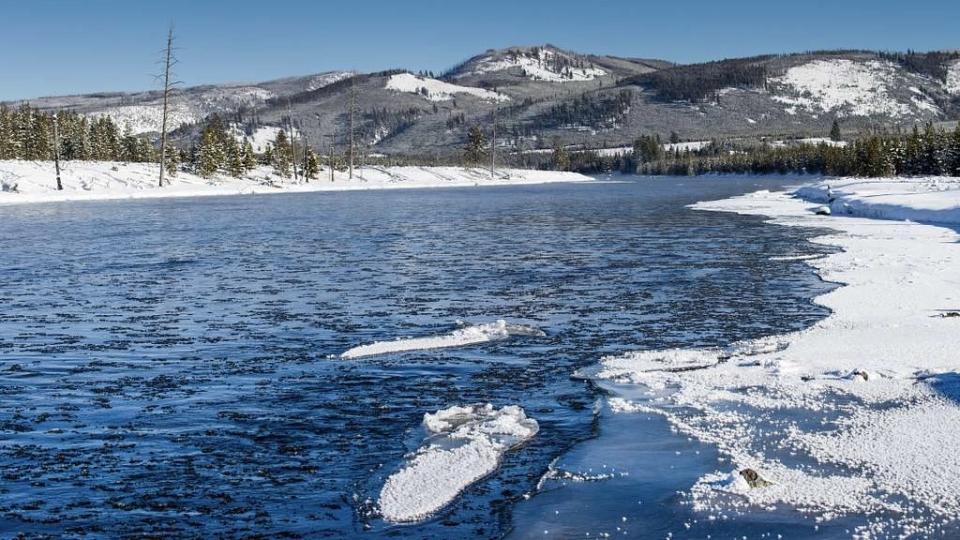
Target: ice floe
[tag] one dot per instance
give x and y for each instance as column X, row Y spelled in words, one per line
column 464, row 444
column 468, row 335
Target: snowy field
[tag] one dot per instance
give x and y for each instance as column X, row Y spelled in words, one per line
column 27, row 181
column 856, row 415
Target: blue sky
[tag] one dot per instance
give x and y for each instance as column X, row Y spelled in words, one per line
column 50, row 47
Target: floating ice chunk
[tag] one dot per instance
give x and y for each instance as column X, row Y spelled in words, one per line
column 465, row 444
column 469, row 335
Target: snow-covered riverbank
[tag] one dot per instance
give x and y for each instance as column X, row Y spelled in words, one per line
column 32, row 181
column 856, row 415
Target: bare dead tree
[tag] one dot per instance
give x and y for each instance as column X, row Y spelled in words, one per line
column 293, row 141
column 169, row 60
column 493, row 143
column 56, row 149
column 353, row 106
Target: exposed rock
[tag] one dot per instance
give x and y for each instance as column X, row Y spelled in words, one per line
column 860, row 373
column 754, row 479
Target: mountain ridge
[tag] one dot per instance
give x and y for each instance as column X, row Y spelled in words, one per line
column 546, row 94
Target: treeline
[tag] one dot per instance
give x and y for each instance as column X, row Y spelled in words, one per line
column 28, row 133
column 589, row 110
column 934, row 64
column 928, row 152
column 698, row 82
column 219, row 151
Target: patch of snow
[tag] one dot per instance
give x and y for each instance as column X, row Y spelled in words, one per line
column 953, row 78
column 810, row 140
column 183, row 109
column 326, row 79
column 846, row 88
column 690, row 146
column 464, row 444
column 434, row 90
column 542, row 67
column 469, row 335
column 261, row 138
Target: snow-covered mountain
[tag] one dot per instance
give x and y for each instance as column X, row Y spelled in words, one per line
column 545, row 93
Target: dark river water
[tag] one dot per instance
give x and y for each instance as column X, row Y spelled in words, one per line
column 168, row 367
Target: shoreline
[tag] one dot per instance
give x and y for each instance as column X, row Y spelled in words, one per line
column 100, row 181
column 855, row 416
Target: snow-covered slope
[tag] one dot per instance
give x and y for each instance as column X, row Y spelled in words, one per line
column 536, row 63
column 147, row 117
column 434, row 90
column 848, row 88
column 953, row 78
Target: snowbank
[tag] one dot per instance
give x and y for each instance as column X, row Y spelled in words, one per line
column 932, row 199
column 856, row 415
column 464, row 444
column 470, row 335
column 32, row 181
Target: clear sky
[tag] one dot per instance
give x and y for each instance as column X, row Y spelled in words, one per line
column 50, row 47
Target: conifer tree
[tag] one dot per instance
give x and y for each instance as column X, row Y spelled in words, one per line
column 210, row 155
column 561, row 159
column 475, row 150
column 311, row 165
column 248, row 158
column 234, row 159
column 172, row 159
column 281, row 154
column 835, row 134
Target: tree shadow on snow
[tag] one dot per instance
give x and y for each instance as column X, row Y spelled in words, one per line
column 947, row 385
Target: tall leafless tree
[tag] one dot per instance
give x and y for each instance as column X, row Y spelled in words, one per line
column 169, row 60
column 56, row 149
column 493, row 142
column 353, row 106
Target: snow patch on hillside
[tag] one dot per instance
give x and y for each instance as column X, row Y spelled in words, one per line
column 847, row 88
column 545, row 65
column 435, row 90
column 953, row 78
column 326, row 79
column 183, row 109
column 260, row 138
column 463, row 445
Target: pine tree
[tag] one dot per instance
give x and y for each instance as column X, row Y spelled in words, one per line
column 210, row 155
column 312, row 165
column 835, row 134
column 234, row 159
column 172, row 159
column 475, row 151
column 561, row 159
column 281, row 154
column 7, row 146
column 248, row 158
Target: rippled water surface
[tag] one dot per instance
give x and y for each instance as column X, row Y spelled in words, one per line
column 168, row 367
